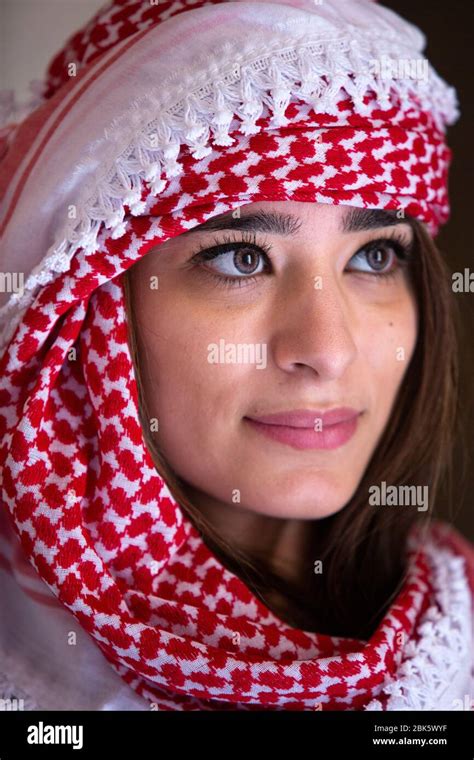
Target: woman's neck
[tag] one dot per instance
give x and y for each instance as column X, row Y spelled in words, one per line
column 283, row 545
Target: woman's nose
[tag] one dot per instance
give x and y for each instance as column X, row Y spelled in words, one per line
column 315, row 327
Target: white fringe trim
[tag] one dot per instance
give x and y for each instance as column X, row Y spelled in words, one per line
column 438, row 659
column 314, row 72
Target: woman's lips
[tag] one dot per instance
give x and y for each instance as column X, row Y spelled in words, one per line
column 296, row 428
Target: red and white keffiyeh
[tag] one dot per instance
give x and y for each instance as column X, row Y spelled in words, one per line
column 175, row 113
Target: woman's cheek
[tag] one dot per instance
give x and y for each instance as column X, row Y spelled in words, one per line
column 391, row 346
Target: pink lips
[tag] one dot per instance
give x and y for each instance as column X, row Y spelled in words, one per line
column 297, row 428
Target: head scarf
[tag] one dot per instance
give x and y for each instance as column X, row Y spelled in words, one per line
column 154, row 119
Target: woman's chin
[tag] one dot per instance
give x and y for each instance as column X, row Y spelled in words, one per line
column 317, row 501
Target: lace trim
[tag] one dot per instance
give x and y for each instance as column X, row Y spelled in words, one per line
column 143, row 144
column 433, row 662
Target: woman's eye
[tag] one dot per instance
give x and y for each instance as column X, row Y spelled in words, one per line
column 234, row 262
column 238, row 261
column 380, row 257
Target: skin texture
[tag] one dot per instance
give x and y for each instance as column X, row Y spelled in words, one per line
column 346, row 343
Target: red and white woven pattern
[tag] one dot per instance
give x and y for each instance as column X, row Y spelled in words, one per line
column 103, row 531
column 114, row 22
column 92, row 513
column 297, row 76
column 391, row 159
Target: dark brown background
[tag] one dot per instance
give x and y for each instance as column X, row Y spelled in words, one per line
column 450, row 49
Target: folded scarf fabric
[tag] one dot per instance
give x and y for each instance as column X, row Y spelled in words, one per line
column 289, row 105
column 177, row 114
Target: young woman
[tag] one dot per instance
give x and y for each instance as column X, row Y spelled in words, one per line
column 229, row 378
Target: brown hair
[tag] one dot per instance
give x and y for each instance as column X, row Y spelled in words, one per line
column 363, row 549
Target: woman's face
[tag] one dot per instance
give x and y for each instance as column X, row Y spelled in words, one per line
column 311, row 317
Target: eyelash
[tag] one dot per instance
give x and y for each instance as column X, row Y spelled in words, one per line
column 400, row 246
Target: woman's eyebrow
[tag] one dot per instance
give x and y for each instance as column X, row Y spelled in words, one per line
column 361, row 219
column 354, row 220
column 256, row 221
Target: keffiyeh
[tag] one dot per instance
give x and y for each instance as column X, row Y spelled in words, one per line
column 175, row 113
